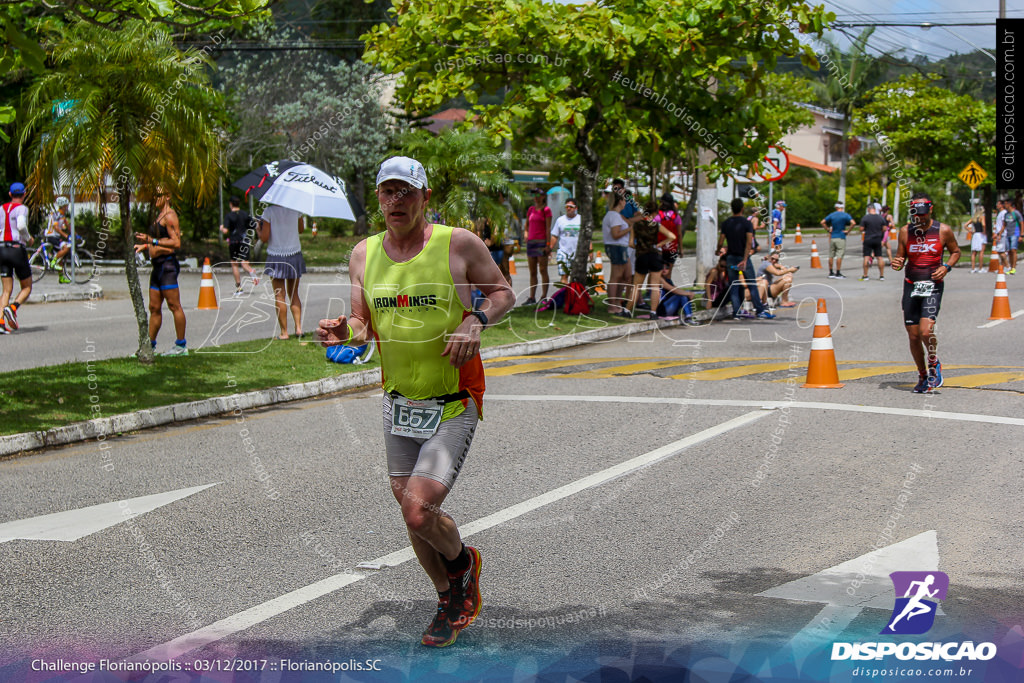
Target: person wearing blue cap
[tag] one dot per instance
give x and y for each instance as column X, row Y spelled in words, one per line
column 14, row 235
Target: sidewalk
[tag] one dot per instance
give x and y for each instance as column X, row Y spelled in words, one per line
column 49, row 290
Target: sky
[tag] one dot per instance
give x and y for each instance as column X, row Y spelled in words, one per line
column 936, row 42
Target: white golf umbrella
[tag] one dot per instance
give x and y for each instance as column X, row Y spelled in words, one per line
column 301, row 187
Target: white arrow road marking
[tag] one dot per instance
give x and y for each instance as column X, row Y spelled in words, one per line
column 75, row 524
column 873, row 588
column 230, row 625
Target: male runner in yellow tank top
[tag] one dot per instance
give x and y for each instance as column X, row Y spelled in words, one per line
column 411, row 291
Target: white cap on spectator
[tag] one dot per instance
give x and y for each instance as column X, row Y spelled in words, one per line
column 403, row 168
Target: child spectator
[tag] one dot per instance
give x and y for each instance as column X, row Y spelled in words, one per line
column 976, row 231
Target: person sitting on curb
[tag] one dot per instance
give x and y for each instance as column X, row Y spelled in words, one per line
column 774, row 280
column 673, row 299
column 716, row 286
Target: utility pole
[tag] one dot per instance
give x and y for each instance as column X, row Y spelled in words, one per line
column 706, row 215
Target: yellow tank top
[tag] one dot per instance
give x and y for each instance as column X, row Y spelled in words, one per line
column 414, row 306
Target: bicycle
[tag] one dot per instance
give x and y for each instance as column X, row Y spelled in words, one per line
column 42, row 258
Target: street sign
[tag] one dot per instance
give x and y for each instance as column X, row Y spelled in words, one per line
column 771, row 168
column 973, row 175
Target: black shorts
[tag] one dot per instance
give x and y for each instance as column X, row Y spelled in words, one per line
column 917, row 307
column 873, row 248
column 165, row 273
column 55, row 241
column 239, row 251
column 14, row 262
column 649, row 262
column 669, row 256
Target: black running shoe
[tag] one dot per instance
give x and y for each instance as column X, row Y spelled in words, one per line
column 466, row 592
column 440, row 632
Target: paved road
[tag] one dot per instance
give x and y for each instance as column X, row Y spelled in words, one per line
column 642, row 519
column 54, row 333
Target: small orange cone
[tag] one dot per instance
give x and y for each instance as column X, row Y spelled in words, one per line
column 1001, row 299
column 511, row 265
column 993, row 263
column 815, row 259
column 798, row 238
column 207, row 292
column 822, row 371
column 599, row 265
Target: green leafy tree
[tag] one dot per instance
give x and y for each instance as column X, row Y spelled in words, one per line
column 599, row 75
column 930, row 134
column 140, row 116
column 466, row 172
column 327, row 113
column 848, row 76
column 25, row 22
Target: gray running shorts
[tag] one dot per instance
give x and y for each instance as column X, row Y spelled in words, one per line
column 440, row 457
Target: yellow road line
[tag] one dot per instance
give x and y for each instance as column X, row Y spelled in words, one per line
column 631, row 368
column 522, row 368
column 738, row 371
column 982, row 379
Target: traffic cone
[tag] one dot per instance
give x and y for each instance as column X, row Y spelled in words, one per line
column 511, row 265
column 815, row 259
column 993, row 263
column 1001, row 299
column 798, row 238
column 599, row 265
column 822, row 371
column 207, row 292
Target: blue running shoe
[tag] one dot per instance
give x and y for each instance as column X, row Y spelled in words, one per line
column 765, row 315
column 922, row 385
column 935, row 375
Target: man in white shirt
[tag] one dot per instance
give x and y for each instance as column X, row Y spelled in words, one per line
column 1000, row 238
column 14, row 236
column 566, row 234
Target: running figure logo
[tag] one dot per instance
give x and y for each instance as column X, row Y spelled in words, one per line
column 914, row 613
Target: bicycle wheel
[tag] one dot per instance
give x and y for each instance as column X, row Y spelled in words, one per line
column 85, row 266
column 38, row 264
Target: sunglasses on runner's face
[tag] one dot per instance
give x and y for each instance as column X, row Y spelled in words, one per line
column 920, row 207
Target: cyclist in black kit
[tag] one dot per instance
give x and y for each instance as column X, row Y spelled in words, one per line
column 921, row 245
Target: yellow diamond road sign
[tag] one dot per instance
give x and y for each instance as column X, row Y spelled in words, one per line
column 973, row 175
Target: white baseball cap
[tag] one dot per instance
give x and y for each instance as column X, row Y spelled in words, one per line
column 405, row 169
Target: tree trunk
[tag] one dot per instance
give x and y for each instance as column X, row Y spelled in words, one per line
column 359, row 190
column 131, row 272
column 586, row 181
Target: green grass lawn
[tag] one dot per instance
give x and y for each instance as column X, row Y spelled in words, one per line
column 43, row 398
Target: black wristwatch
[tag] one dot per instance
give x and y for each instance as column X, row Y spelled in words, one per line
column 480, row 316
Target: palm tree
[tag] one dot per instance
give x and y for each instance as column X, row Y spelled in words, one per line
column 142, row 113
column 847, row 79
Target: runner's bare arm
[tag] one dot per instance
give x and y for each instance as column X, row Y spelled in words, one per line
column 901, row 250
column 472, row 265
column 334, row 331
column 948, row 241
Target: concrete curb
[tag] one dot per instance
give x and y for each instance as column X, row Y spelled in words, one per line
column 70, row 293
column 101, row 428
column 119, row 270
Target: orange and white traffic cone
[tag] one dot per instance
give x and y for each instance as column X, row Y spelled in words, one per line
column 599, row 265
column 1001, row 299
column 993, row 263
column 798, row 238
column 207, row 292
column 815, row 259
column 822, row 371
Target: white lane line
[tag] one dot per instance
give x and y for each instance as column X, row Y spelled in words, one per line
column 260, row 613
column 993, row 323
column 768, row 405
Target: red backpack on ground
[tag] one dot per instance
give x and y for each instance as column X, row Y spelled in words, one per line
column 577, row 300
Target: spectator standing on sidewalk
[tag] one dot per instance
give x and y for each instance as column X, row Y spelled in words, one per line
column 838, row 222
column 538, row 240
column 737, row 238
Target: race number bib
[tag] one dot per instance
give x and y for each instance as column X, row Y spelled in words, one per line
column 924, row 288
column 418, row 419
